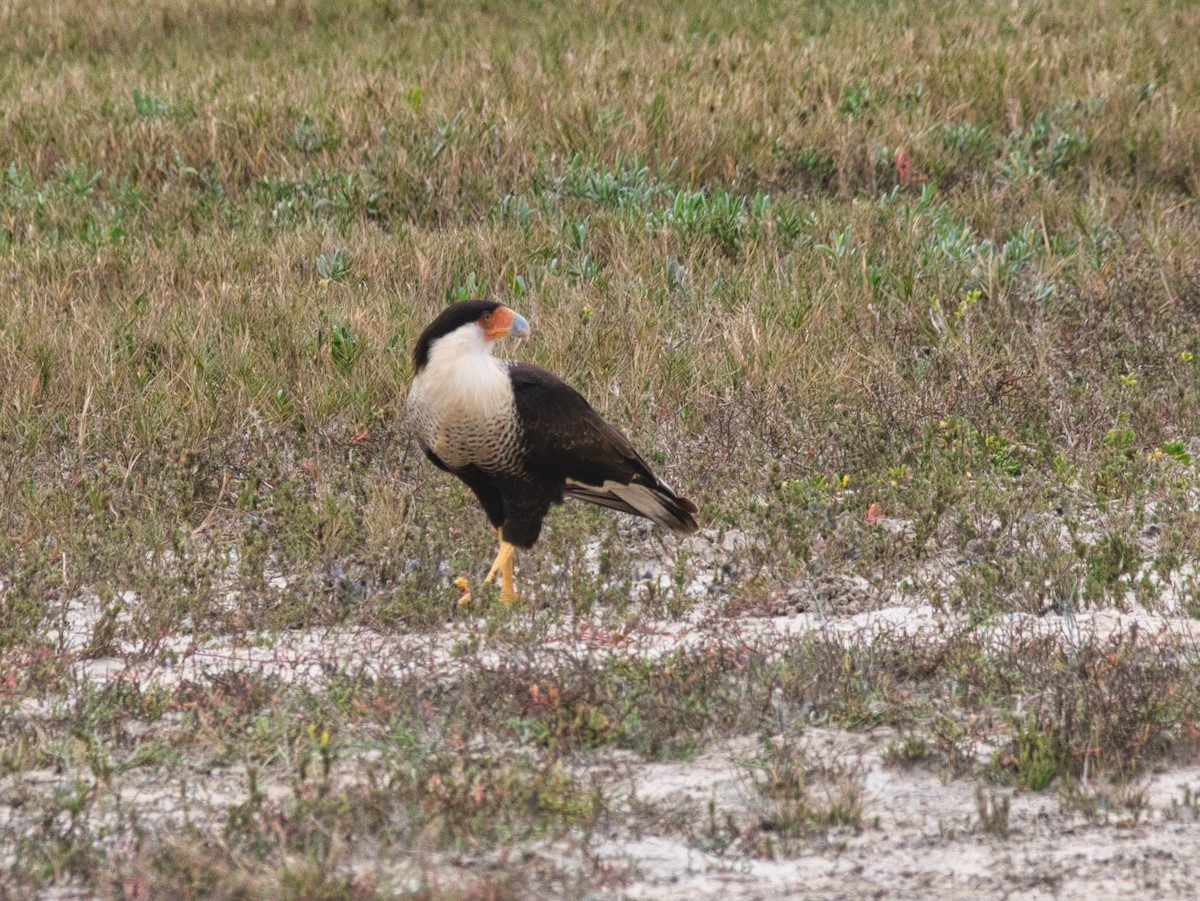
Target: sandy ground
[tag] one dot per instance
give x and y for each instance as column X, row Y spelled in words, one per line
column 922, row 835
column 701, row 828
column 923, row 839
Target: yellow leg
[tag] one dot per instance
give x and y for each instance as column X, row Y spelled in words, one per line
column 503, row 564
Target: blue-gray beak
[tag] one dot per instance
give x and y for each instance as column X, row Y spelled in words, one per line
column 519, row 327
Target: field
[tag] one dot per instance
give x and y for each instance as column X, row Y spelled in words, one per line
column 906, row 296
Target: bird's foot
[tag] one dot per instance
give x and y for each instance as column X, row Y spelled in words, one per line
column 503, row 564
column 465, row 600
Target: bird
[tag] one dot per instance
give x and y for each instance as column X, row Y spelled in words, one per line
column 520, row 437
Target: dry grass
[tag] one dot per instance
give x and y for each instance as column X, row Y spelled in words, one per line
column 935, row 259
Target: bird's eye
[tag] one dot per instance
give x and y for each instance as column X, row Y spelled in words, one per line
column 485, row 318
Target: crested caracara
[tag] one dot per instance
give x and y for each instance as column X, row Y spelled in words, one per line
column 520, row 437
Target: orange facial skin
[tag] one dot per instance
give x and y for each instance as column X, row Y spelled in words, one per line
column 503, row 322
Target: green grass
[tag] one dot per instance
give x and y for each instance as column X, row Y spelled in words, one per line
column 814, row 258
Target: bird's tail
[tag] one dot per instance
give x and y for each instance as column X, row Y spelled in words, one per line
column 657, row 502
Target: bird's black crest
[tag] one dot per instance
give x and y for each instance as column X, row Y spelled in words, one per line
column 451, row 318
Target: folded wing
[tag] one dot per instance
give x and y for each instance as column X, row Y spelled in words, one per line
column 566, row 441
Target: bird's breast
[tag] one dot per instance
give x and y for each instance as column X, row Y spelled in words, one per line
column 466, row 421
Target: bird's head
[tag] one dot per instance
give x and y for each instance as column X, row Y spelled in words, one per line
column 472, row 323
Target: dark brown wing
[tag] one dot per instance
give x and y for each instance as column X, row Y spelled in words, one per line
column 564, row 438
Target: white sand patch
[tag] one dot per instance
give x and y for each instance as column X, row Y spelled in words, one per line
column 922, row 836
column 311, row 656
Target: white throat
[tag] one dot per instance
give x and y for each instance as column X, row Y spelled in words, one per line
column 461, row 402
column 461, row 364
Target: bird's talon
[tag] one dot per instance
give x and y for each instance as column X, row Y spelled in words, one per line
column 465, row 587
column 503, row 565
